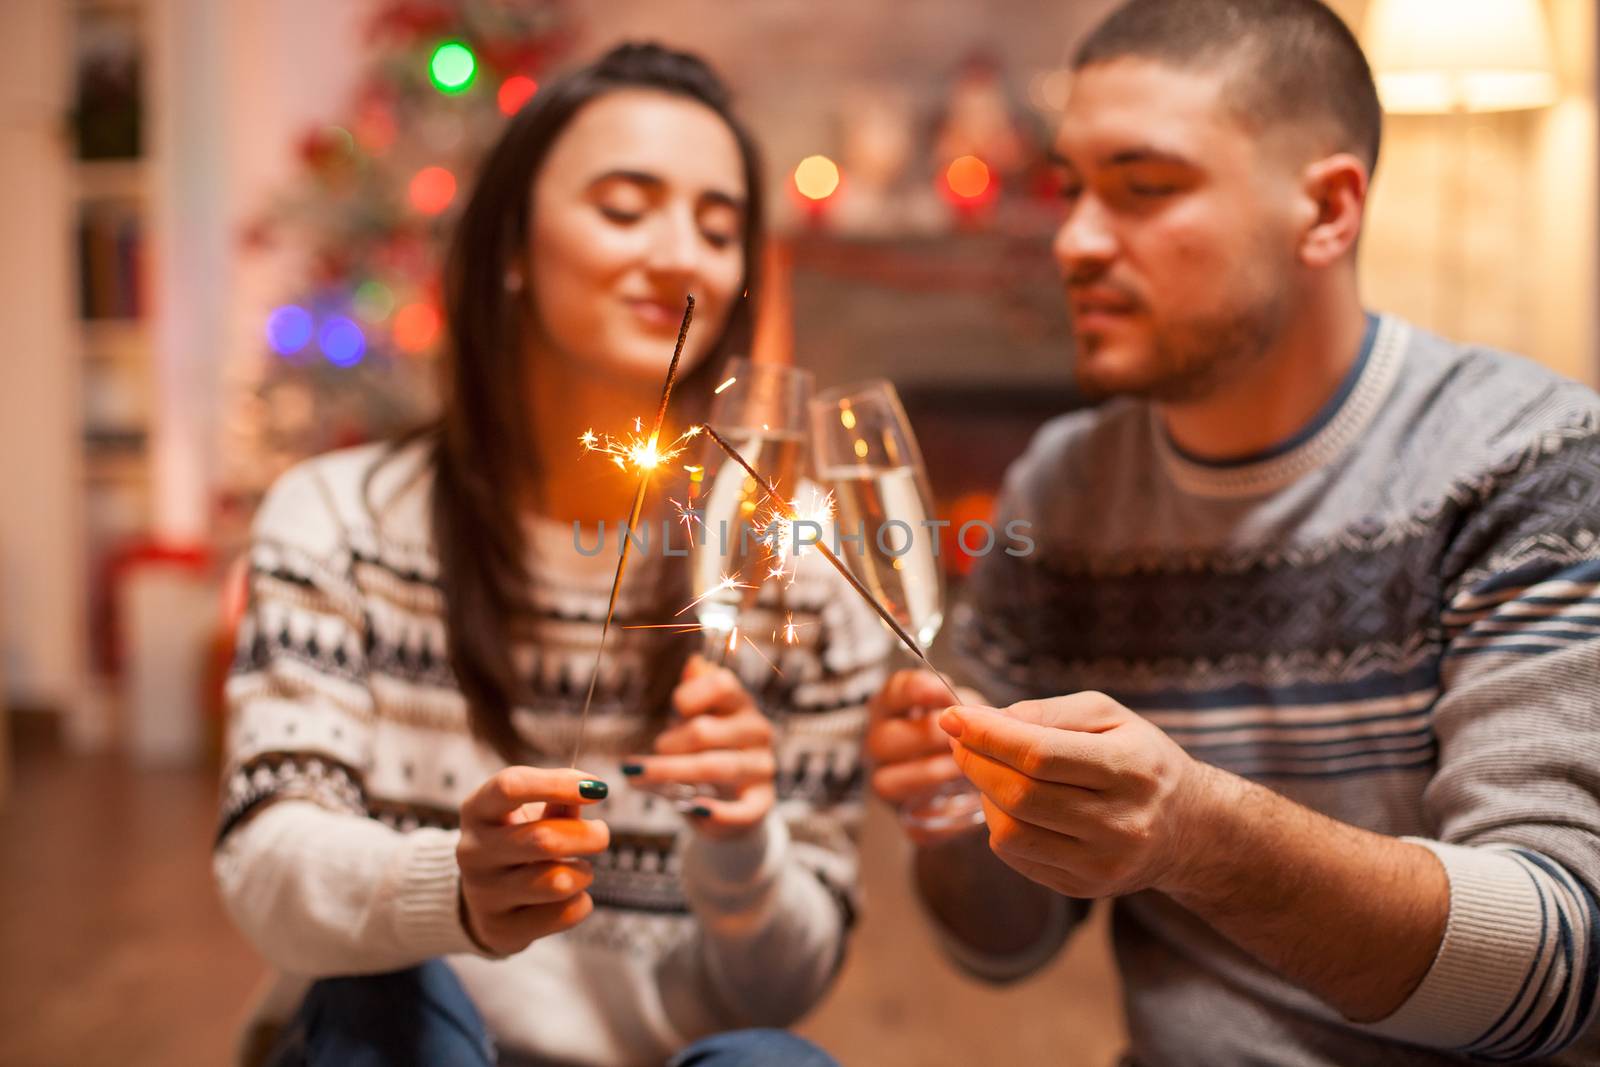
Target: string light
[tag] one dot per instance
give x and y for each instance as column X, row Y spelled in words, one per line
column 288, row 329
column 342, row 341
column 432, row 189
column 968, row 179
column 452, row 67
column 816, row 177
column 373, row 300
column 415, row 327
column 514, row 92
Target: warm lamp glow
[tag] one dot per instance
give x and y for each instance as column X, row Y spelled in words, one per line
column 1434, row 56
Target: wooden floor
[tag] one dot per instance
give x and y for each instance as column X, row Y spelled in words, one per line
column 114, row 949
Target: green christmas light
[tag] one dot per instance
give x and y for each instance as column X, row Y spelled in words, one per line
column 373, row 301
column 452, row 67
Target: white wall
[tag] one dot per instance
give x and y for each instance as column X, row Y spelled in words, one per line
column 41, row 585
column 1514, row 264
column 240, row 83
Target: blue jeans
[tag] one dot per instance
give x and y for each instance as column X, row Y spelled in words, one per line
column 423, row 1018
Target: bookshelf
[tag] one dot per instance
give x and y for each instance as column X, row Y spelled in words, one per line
column 109, row 137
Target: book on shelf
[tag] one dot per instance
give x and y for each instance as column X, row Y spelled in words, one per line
column 111, row 252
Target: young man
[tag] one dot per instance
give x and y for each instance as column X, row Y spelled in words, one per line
column 1336, row 581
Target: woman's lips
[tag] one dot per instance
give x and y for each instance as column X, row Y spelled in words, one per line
column 655, row 314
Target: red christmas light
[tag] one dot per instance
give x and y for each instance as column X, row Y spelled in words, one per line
column 432, row 190
column 415, row 327
column 967, row 181
column 514, row 92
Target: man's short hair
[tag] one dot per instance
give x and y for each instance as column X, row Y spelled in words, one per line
column 1288, row 60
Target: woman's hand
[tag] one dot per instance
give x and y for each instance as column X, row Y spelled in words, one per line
column 912, row 754
column 724, row 742
column 520, row 838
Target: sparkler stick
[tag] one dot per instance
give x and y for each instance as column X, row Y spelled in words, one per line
column 786, row 508
column 646, row 467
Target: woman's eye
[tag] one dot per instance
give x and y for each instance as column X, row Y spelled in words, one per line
column 1071, row 192
column 1147, row 189
column 618, row 215
column 717, row 240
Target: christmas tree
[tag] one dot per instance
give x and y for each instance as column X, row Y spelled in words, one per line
column 351, row 348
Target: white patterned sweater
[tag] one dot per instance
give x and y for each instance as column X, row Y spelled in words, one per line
column 349, row 755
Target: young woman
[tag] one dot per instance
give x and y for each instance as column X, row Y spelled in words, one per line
column 423, row 625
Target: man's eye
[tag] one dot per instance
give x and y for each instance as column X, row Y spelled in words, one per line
column 1071, row 192
column 717, row 240
column 1151, row 189
column 618, row 215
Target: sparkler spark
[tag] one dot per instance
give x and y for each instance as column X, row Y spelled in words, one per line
column 718, row 390
column 727, row 583
column 782, row 526
column 590, row 441
column 639, row 451
column 883, row 613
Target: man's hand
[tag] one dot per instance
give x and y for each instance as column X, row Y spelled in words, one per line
column 1080, row 794
column 979, row 902
column 1089, row 799
column 723, row 741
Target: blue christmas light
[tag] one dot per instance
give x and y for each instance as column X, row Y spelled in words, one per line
column 289, row 329
column 342, row 341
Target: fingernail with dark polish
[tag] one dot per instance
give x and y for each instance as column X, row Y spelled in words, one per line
column 632, row 769
column 589, row 789
column 700, row 811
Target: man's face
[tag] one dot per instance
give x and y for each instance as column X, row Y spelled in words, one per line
column 1178, row 247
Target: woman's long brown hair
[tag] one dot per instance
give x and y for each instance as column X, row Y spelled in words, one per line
column 483, row 444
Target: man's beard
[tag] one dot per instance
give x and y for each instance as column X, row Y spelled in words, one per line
column 1191, row 360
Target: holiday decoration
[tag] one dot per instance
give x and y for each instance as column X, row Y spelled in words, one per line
column 348, row 355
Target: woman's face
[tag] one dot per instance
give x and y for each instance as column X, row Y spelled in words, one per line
column 639, row 203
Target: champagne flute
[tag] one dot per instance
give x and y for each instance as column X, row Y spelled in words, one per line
column 761, row 410
column 867, row 454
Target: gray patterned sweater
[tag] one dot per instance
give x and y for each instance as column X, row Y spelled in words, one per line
column 1393, row 619
column 349, row 754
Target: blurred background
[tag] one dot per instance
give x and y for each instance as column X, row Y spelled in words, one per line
column 218, row 226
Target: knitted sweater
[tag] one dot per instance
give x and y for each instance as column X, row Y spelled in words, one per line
column 349, row 755
column 1391, row 619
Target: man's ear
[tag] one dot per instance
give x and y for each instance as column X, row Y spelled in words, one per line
column 1335, row 188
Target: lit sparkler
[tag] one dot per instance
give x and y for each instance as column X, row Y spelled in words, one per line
column 727, row 583
column 638, row 451
column 646, row 457
column 788, row 509
column 781, row 529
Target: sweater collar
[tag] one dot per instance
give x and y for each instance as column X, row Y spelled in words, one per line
column 1336, row 426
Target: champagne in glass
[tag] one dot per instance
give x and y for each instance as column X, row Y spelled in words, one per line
column 867, row 454
column 886, row 507
column 760, row 410
column 728, row 556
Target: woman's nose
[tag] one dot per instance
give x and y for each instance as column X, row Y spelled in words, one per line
column 674, row 245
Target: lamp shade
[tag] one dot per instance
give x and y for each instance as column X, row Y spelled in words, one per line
column 1433, row 56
